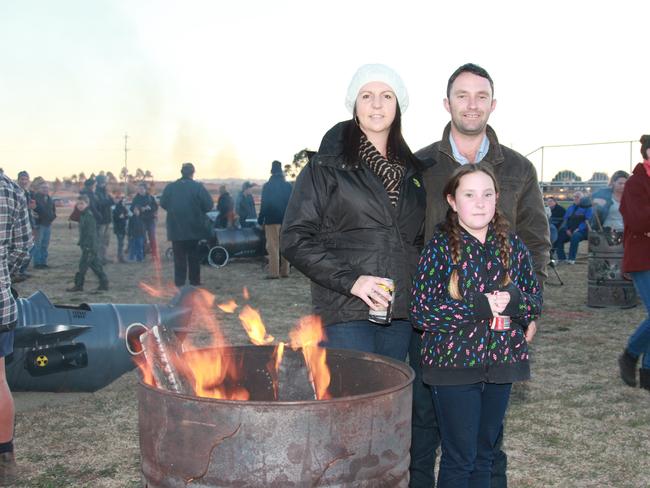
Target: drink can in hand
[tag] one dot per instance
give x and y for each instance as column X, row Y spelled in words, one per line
column 500, row 323
column 385, row 315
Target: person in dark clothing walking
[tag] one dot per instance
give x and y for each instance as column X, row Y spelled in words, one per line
column 226, row 208
column 136, row 232
column 104, row 203
column 246, row 205
column 120, row 218
column 44, row 215
column 89, row 192
column 88, row 244
column 275, row 198
column 148, row 214
column 187, row 203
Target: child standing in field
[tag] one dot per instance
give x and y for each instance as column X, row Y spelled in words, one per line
column 136, row 236
column 88, row 242
column 473, row 296
column 120, row 217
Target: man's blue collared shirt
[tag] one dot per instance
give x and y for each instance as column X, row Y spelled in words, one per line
column 480, row 154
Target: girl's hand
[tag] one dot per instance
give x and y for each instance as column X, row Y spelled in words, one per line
column 531, row 330
column 369, row 290
column 498, row 301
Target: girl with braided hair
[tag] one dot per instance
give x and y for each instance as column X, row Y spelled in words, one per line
column 474, row 294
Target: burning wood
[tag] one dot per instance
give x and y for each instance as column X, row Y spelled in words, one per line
column 213, row 372
column 294, row 379
column 161, row 350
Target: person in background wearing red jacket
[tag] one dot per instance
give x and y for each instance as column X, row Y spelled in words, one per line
column 635, row 208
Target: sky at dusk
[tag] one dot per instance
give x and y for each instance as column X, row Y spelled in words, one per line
column 232, row 86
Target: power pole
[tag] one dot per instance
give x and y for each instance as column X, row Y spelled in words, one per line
column 126, row 151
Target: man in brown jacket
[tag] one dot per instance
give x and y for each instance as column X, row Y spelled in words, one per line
column 468, row 139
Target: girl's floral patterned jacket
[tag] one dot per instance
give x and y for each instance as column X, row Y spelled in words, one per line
column 458, row 346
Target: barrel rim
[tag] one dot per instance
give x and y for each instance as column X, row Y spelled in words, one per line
column 402, row 367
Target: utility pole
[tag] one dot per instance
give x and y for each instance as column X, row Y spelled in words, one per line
column 126, row 151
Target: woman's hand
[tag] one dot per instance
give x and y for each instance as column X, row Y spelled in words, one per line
column 369, row 289
column 498, row 301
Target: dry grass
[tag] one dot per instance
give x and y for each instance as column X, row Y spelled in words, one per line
column 574, row 425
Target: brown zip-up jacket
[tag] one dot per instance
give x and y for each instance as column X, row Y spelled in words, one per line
column 520, row 198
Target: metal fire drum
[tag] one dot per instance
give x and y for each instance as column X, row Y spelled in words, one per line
column 359, row 438
column 606, row 286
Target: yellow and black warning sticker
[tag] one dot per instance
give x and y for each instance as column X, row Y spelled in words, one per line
column 41, row 361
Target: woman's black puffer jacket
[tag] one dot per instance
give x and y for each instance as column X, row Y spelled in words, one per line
column 340, row 225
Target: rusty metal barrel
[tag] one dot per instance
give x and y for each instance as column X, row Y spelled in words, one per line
column 360, row 437
column 606, row 286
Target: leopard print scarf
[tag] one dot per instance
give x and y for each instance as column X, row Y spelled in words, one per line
column 390, row 171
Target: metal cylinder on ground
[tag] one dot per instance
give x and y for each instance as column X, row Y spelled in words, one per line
column 82, row 347
column 606, row 285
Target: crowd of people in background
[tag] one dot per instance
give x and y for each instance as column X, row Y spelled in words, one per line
column 134, row 223
column 600, row 212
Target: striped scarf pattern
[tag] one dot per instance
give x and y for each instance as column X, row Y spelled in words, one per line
column 389, row 172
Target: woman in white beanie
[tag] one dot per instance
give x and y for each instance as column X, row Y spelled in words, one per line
column 354, row 224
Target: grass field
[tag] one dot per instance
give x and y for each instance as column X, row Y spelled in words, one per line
column 574, row 425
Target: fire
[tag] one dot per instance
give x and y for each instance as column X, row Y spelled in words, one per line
column 278, row 353
column 215, row 375
column 252, row 322
column 145, row 370
column 228, row 307
column 207, row 364
column 245, row 294
column 157, row 292
column 308, row 335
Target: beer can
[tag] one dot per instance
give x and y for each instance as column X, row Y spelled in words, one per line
column 500, row 323
column 385, row 315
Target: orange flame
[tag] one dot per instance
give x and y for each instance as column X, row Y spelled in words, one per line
column 279, row 353
column 309, row 334
column 145, row 370
column 215, row 373
column 252, row 322
column 212, row 369
column 228, row 307
column 157, row 292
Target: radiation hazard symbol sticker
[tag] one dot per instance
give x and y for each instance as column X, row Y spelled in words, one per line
column 41, row 361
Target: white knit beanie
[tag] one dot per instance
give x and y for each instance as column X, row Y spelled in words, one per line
column 376, row 72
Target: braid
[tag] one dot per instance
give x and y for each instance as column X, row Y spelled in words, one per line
column 501, row 229
column 452, row 228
